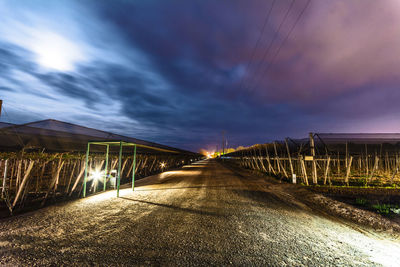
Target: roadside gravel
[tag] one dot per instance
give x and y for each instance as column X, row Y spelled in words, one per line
column 202, row 214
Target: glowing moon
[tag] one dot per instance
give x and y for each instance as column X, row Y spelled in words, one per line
column 56, row 52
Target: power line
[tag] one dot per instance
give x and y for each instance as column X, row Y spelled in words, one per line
column 273, row 39
column 25, row 110
column 257, row 42
column 284, row 41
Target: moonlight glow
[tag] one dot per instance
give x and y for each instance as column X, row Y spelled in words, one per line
column 56, row 52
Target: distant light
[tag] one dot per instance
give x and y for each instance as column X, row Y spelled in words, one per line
column 96, row 174
column 162, row 164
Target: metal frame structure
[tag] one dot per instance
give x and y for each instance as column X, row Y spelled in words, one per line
column 121, row 144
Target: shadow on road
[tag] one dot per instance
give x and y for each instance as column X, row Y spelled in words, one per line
column 201, row 212
column 188, row 187
column 271, row 199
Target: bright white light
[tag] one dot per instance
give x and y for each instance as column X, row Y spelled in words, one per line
column 56, row 52
column 96, row 175
column 162, row 164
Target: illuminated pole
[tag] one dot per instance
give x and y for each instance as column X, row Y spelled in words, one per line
column 119, row 167
column 314, row 165
column 106, row 169
column 133, row 168
column 223, row 142
column 86, row 170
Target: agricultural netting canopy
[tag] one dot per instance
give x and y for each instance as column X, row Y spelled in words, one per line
column 357, row 143
column 354, row 138
column 360, row 138
column 57, row 136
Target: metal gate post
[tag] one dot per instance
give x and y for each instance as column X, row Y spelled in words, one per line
column 119, row 167
column 106, row 169
column 86, row 169
column 133, row 168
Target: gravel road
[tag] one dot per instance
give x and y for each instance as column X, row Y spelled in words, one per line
column 202, row 214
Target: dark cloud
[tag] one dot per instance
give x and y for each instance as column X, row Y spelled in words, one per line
column 180, row 72
column 3, row 88
column 15, row 57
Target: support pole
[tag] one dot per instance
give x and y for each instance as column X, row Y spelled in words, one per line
column 314, row 165
column 270, row 168
column 348, row 171
column 327, row 171
column 133, row 168
column 304, row 171
column 23, row 183
column 374, row 168
column 277, row 159
column 261, row 160
column 289, row 157
column 366, row 160
column 86, row 170
column 3, row 190
column 119, row 167
column 391, row 180
column 106, row 169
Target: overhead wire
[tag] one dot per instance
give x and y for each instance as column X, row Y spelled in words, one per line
column 256, row 44
column 276, row 34
column 25, row 110
column 284, row 41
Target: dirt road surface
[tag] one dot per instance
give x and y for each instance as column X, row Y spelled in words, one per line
column 202, row 214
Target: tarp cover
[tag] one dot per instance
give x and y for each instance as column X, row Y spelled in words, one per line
column 58, row 136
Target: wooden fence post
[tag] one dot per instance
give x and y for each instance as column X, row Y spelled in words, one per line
column 261, row 161
column 289, row 157
column 24, row 180
column 3, row 190
column 55, row 178
column 366, row 160
column 314, row 165
column 70, row 177
column 82, row 163
column 327, row 170
column 303, row 168
column 374, row 168
column 395, row 170
column 277, row 158
column 346, row 160
column 348, row 171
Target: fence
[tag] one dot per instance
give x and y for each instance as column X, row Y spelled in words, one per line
column 316, row 162
column 37, row 177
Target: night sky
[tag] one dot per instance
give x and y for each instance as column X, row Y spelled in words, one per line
column 180, row 72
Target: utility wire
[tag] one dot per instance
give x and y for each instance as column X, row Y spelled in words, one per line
column 283, row 42
column 273, row 39
column 25, row 110
column 256, row 45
